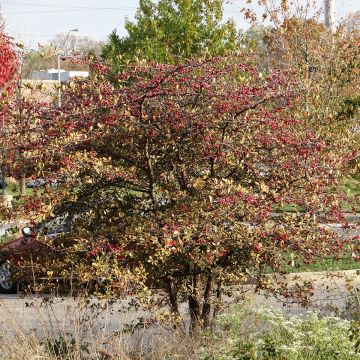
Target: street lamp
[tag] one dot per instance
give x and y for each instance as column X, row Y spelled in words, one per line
column 59, row 60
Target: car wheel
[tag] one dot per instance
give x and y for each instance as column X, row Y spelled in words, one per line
column 7, row 285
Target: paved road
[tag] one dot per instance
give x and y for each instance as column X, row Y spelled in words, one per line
column 3, row 229
column 332, row 291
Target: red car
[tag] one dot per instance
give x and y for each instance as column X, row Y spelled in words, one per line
column 23, row 243
column 27, row 243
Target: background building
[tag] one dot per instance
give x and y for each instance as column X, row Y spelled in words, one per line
column 53, row 74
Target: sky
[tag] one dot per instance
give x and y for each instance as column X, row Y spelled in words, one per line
column 38, row 21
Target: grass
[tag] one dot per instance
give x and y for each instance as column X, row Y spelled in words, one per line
column 83, row 329
column 13, row 188
column 351, row 186
column 321, row 265
column 324, row 264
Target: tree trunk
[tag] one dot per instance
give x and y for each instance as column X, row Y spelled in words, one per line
column 171, row 290
column 206, row 310
column 194, row 307
column 218, row 300
column 23, row 186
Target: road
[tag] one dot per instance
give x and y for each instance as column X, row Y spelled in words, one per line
column 332, row 292
column 3, row 229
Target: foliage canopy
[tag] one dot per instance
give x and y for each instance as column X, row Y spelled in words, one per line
column 172, row 30
column 172, row 178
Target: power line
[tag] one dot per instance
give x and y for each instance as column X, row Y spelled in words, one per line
column 63, row 11
column 53, row 35
column 67, row 6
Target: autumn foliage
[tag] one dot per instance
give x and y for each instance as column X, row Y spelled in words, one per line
column 8, row 61
column 175, row 177
column 182, row 180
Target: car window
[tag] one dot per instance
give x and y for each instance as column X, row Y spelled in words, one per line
column 54, row 225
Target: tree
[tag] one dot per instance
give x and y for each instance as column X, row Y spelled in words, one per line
column 325, row 65
column 8, row 75
column 74, row 49
column 173, row 179
column 19, row 113
column 8, row 61
column 42, row 59
column 21, row 137
column 172, row 30
column 352, row 21
column 176, row 179
column 79, row 45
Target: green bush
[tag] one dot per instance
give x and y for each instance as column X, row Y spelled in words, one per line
column 266, row 334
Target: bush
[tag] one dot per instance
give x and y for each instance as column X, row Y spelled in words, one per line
column 267, row 334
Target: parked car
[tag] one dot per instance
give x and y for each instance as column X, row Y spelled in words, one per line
column 28, row 243
column 3, row 184
column 35, row 183
column 7, row 285
column 25, row 243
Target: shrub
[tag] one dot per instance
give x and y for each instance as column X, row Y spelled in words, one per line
column 267, row 334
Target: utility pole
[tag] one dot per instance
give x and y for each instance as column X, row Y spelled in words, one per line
column 330, row 15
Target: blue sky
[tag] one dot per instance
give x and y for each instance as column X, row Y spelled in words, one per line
column 38, row 21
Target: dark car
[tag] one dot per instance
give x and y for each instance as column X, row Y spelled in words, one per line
column 41, row 182
column 35, row 183
column 3, row 184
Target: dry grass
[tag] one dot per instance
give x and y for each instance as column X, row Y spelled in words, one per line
column 35, row 328
column 30, row 346
column 68, row 329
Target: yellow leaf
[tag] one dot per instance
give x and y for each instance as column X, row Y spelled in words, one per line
column 264, row 188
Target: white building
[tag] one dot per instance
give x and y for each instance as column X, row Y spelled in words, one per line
column 52, row 74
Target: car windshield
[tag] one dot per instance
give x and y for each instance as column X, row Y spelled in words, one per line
column 56, row 225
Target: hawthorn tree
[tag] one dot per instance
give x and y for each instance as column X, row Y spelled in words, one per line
column 20, row 134
column 21, row 138
column 173, row 180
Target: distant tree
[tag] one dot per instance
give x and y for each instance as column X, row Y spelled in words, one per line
column 41, row 59
column 72, row 49
column 352, row 20
column 325, row 64
column 171, row 30
column 79, row 45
